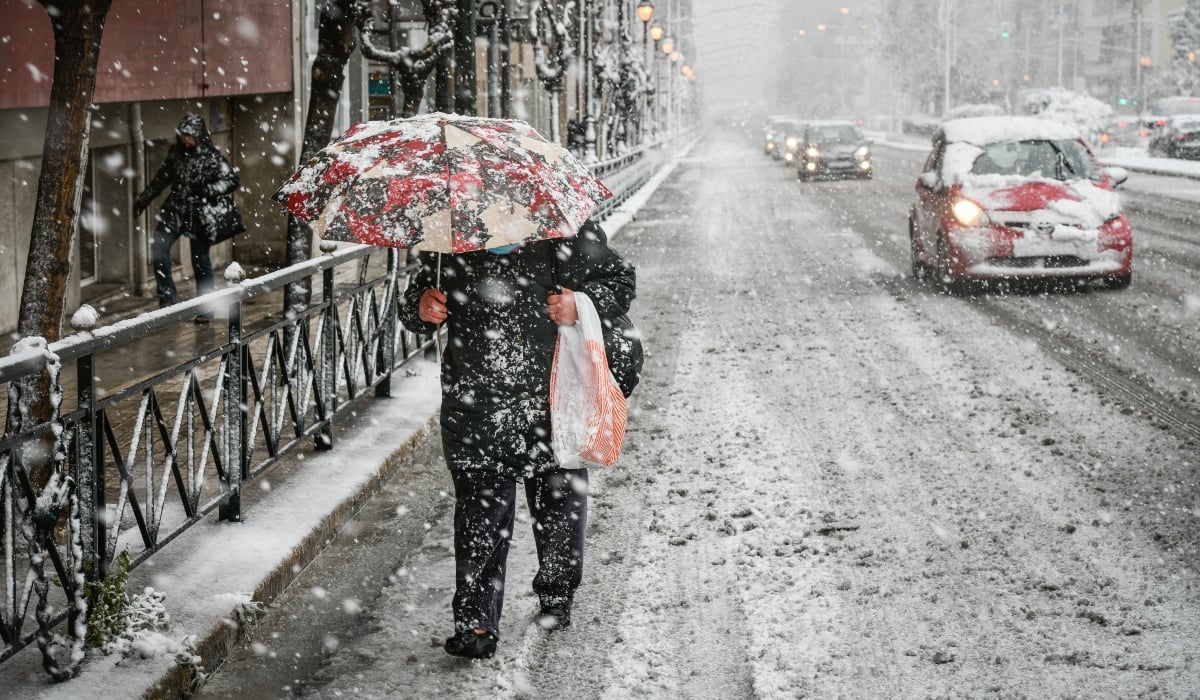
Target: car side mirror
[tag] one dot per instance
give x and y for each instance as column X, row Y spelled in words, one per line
column 930, row 181
column 1117, row 176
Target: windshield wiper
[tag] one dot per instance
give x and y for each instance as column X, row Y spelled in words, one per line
column 1061, row 164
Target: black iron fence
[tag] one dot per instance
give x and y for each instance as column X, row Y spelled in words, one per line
column 144, row 453
column 157, row 422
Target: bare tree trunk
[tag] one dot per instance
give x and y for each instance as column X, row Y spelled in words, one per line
column 412, row 65
column 78, row 26
column 335, row 42
column 551, row 52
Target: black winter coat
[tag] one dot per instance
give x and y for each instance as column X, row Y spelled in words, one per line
column 201, row 179
column 496, row 366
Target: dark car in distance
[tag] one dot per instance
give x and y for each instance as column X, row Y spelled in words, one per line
column 835, row 149
column 1179, row 137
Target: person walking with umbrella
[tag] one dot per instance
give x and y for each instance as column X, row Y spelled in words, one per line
column 503, row 219
column 502, row 308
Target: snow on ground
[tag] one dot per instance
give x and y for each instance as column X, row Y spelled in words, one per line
column 835, row 485
column 211, row 569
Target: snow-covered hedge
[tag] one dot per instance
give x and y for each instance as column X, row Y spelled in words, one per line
column 1084, row 112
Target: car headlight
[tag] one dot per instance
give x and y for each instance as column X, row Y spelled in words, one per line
column 862, row 152
column 812, row 152
column 793, row 142
column 969, row 213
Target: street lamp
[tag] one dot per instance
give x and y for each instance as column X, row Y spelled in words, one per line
column 645, row 11
column 668, row 45
column 657, row 31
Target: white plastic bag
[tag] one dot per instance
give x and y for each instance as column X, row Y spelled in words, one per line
column 587, row 408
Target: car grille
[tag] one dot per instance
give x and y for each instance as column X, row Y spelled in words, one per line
column 1049, row 261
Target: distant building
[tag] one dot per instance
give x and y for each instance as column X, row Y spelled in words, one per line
column 1121, row 48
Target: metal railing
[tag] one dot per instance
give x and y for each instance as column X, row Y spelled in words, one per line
column 154, row 453
column 624, row 175
column 154, row 445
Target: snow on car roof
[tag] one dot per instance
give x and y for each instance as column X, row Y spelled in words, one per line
column 984, row 130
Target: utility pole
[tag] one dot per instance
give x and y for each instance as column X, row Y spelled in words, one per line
column 947, row 28
column 589, row 67
column 464, row 59
column 1061, row 20
column 1137, row 53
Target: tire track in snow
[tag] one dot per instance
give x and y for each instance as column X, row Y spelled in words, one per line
column 1034, row 557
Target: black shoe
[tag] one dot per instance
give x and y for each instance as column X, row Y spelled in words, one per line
column 554, row 617
column 471, row 645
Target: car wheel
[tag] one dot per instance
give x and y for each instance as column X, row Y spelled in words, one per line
column 945, row 278
column 1118, row 281
column 801, row 175
column 920, row 270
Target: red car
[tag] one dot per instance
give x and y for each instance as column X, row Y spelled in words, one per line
column 1012, row 198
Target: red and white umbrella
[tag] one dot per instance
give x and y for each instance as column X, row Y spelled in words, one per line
column 443, row 183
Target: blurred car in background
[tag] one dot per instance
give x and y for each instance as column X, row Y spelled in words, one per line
column 834, row 149
column 793, row 137
column 1178, row 138
column 1124, row 132
column 919, row 124
column 773, row 135
column 976, row 110
column 1011, row 198
column 1162, row 109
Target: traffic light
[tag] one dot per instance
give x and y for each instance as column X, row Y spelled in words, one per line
column 1005, row 33
column 1123, row 101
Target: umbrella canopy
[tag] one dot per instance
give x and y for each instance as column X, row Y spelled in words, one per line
column 443, row 183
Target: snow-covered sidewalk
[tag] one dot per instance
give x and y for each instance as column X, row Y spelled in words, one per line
column 215, row 570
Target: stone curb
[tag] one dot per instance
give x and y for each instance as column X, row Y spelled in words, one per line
column 215, row 647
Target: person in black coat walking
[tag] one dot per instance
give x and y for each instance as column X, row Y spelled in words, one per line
column 503, row 308
column 200, row 206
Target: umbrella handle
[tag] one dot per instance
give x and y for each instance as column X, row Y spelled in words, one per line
column 437, row 334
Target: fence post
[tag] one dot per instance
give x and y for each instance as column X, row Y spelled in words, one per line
column 385, row 357
column 89, row 474
column 324, row 437
column 234, row 419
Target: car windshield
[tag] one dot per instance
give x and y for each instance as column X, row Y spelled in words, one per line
column 1061, row 160
column 834, row 133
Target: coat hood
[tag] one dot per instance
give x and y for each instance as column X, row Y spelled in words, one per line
column 193, row 125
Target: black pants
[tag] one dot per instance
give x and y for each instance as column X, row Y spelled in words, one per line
column 160, row 255
column 484, row 512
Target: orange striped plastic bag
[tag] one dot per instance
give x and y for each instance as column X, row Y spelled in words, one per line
column 587, row 408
